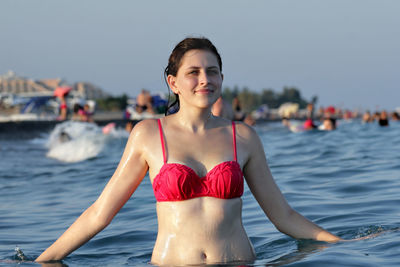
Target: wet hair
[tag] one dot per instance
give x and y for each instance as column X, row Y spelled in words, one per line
column 175, row 60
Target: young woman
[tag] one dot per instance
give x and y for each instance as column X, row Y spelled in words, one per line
column 196, row 163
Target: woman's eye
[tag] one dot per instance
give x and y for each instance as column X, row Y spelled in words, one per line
column 213, row 72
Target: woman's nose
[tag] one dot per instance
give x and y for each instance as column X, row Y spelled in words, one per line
column 204, row 79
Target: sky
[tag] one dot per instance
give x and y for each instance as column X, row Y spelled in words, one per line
column 345, row 52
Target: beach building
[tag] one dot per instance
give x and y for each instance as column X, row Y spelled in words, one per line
column 20, row 96
column 12, row 84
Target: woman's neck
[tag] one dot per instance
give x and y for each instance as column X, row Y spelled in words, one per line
column 194, row 119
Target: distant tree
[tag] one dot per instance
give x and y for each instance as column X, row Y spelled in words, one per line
column 112, row 103
column 227, row 95
column 269, row 97
column 235, row 91
column 251, row 100
column 291, row 94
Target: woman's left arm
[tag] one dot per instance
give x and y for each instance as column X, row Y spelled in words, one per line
column 270, row 198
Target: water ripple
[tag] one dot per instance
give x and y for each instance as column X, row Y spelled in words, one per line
column 347, row 181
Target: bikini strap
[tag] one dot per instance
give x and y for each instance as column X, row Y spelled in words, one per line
column 234, row 140
column 162, row 140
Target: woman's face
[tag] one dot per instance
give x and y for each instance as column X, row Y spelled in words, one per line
column 198, row 80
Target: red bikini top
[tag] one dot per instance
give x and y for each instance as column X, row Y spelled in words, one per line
column 176, row 182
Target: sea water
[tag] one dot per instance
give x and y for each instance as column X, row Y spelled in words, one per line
column 347, row 181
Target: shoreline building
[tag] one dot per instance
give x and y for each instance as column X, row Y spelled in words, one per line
column 11, row 83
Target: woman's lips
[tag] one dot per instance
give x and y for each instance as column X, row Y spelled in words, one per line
column 204, row 91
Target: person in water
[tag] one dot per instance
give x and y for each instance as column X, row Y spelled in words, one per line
column 383, row 119
column 144, row 102
column 328, row 124
column 222, row 109
column 367, row 117
column 395, row 116
column 63, row 109
column 197, row 163
column 309, row 124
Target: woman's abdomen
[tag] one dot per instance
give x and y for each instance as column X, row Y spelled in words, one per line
column 201, row 230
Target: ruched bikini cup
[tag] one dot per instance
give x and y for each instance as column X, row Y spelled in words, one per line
column 177, row 182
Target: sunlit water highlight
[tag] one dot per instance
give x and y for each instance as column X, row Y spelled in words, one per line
column 347, row 181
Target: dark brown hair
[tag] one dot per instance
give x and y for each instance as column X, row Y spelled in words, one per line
column 175, row 59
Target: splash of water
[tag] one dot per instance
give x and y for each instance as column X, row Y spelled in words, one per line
column 78, row 141
column 370, row 230
column 19, row 255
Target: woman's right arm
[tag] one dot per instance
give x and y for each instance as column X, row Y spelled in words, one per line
column 126, row 178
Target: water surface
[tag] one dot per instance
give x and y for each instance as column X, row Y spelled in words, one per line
column 347, row 181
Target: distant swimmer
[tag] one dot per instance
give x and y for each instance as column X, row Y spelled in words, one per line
column 383, row 119
column 309, row 125
column 64, row 137
column 395, row 116
column 297, row 126
column 82, row 113
column 222, row 109
column 239, row 115
column 367, row 117
column 144, row 102
column 328, row 124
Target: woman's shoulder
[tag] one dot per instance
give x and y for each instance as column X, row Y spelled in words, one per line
column 147, row 124
column 144, row 130
column 247, row 141
column 245, row 131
